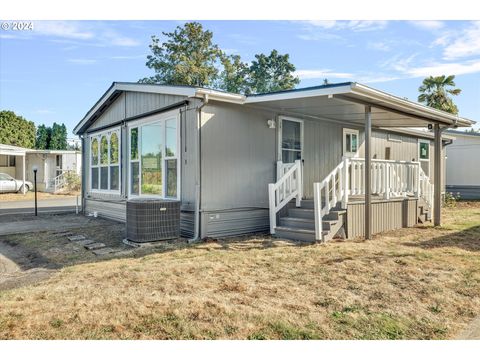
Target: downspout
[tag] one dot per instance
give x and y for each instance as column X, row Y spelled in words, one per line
column 83, row 173
column 198, row 170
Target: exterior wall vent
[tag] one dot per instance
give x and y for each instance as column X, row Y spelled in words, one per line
column 153, row 219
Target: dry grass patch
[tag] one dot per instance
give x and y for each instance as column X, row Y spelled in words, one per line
column 31, row 196
column 421, row 283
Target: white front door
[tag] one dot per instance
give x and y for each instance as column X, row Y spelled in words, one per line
column 424, row 155
column 290, row 140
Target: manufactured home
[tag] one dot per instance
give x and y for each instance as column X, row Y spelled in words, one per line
column 51, row 165
column 291, row 162
column 463, row 165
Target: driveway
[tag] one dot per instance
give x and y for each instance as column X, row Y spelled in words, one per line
column 62, row 204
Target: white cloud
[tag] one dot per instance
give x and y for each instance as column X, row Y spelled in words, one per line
column 436, row 69
column 381, row 46
column 82, row 61
column 128, row 57
column 322, row 74
column 64, row 29
column 355, row 25
column 466, row 43
column 82, row 33
column 428, row 24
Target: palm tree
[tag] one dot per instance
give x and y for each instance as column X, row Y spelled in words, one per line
column 434, row 93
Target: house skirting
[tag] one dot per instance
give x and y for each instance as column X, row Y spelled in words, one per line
column 386, row 215
column 467, row 192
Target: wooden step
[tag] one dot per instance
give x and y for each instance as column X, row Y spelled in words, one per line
column 304, row 235
column 304, row 223
column 301, row 213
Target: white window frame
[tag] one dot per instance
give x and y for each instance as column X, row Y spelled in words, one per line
column 424, row 141
column 344, row 140
column 280, row 136
column 161, row 118
column 98, row 135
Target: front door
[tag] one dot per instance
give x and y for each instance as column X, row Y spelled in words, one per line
column 291, row 140
column 424, row 155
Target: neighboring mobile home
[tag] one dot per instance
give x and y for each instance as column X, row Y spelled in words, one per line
column 237, row 162
column 51, row 164
column 463, row 165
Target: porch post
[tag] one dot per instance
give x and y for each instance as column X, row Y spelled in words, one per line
column 437, row 201
column 23, row 173
column 368, row 172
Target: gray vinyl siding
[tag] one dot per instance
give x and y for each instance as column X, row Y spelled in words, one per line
column 140, row 103
column 130, row 104
column 114, row 210
column 386, row 215
column 234, row 222
column 238, row 157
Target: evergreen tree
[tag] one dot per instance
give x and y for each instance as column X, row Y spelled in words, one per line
column 15, row 130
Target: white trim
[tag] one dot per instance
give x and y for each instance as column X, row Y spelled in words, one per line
column 280, row 135
column 158, row 118
column 296, row 94
column 419, row 141
column 98, row 135
column 344, row 142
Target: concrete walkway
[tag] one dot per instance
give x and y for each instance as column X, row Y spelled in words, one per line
column 472, row 332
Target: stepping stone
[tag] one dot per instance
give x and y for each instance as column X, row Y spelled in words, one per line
column 85, row 242
column 105, row 251
column 76, row 237
column 94, row 246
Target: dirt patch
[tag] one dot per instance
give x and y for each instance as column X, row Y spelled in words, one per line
column 41, row 246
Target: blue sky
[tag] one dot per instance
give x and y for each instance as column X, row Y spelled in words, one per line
column 57, row 71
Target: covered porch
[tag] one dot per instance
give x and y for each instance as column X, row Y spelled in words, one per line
column 13, row 163
column 364, row 108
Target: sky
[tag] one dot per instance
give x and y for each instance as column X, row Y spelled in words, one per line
column 58, row 70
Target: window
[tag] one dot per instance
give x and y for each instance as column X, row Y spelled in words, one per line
column 153, row 157
column 105, row 161
column 7, row 160
column 350, row 142
column 424, row 150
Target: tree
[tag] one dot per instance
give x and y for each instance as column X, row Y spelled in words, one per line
column 472, row 130
column 188, row 57
column 434, row 92
column 44, row 135
column 233, row 78
column 271, row 73
column 58, row 140
column 15, row 130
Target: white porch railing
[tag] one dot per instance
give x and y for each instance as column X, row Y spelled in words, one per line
column 389, row 178
column 334, row 188
column 426, row 189
column 287, row 187
column 59, row 181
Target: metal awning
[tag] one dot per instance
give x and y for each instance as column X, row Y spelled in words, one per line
column 346, row 103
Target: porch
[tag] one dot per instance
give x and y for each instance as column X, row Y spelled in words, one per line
column 353, row 106
column 401, row 195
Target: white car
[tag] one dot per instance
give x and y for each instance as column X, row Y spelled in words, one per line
column 9, row 184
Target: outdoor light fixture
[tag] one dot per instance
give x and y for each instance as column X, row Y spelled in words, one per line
column 35, row 169
column 271, row 124
column 430, row 126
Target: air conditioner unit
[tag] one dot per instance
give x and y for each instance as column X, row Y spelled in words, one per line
column 152, row 219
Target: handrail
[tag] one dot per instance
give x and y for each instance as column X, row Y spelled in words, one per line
column 289, row 186
column 335, row 189
column 426, row 189
column 59, row 181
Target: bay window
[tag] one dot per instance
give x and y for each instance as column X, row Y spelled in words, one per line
column 105, row 161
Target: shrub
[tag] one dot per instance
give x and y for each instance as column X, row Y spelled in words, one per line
column 72, row 181
column 451, row 199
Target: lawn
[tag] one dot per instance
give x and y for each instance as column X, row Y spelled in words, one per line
column 31, row 196
column 421, row 283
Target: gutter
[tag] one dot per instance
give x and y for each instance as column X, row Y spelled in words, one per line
column 198, row 196
column 82, row 137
